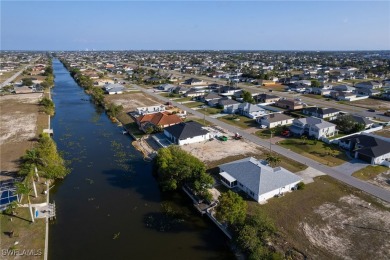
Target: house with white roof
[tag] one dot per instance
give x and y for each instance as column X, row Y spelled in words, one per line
column 250, row 110
column 313, row 126
column 261, row 182
column 274, row 120
column 150, row 109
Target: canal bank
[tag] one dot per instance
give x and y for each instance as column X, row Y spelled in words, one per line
column 110, row 206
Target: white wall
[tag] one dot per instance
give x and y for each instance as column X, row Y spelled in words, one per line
column 195, row 139
column 283, row 122
column 380, row 159
column 271, row 194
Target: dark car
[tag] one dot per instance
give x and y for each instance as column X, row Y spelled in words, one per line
column 371, row 110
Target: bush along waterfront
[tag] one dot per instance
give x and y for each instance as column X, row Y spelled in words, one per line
column 87, row 84
column 96, row 93
column 49, row 80
column 47, row 106
column 45, row 158
column 253, row 234
column 176, row 168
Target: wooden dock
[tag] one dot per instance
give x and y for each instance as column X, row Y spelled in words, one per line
column 207, row 209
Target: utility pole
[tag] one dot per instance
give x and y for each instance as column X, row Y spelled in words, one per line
column 204, row 115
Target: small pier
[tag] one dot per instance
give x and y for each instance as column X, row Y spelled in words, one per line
column 207, row 209
column 45, row 210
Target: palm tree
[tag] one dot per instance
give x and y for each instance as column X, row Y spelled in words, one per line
column 24, row 189
column 31, row 161
column 304, row 138
column 32, row 157
column 272, row 160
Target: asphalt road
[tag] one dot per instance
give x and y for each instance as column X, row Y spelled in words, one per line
column 7, row 81
column 346, row 178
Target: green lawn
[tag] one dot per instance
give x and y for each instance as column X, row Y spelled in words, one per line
column 210, row 111
column 183, row 99
column 193, row 104
column 240, row 121
column 316, row 150
column 130, row 125
column 313, row 96
column 370, row 172
column 199, row 120
column 266, row 133
column 171, row 95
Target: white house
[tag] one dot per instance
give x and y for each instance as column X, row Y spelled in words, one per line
column 329, row 113
column 114, row 88
column 250, row 110
column 187, row 133
column 312, row 126
column 274, row 120
column 259, row 181
column 166, row 87
column 150, row 110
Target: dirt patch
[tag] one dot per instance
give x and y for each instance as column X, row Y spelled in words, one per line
column 382, row 180
column 372, row 104
column 350, row 229
column 130, row 101
column 19, row 117
column 216, row 150
column 17, row 126
column 385, row 132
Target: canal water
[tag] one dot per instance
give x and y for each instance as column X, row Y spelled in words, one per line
column 110, row 206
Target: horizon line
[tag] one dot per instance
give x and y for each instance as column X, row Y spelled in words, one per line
column 210, row 50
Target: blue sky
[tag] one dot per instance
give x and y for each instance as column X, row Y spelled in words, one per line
column 211, row 25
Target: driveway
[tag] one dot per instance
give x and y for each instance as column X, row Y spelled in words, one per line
column 350, row 167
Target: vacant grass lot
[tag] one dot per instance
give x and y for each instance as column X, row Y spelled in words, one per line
column 240, row 121
column 370, row 172
column 300, row 207
column 316, row 150
column 276, row 87
column 371, row 103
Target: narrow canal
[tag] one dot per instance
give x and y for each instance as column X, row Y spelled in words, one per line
column 110, row 206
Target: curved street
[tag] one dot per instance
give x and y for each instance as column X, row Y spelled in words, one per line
column 345, row 178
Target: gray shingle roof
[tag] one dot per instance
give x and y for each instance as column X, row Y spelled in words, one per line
column 257, row 177
column 186, row 130
column 227, row 101
column 369, row 145
column 361, row 120
column 248, row 107
column 314, row 121
column 276, row 117
column 321, row 111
